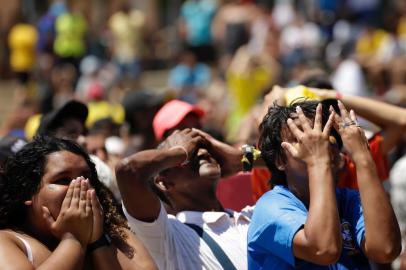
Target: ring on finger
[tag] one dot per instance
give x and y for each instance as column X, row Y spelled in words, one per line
column 349, row 123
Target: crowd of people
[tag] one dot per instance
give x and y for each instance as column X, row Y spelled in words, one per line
column 277, row 142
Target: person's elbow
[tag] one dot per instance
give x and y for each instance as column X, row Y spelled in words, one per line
column 126, row 170
column 402, row 121
column 322, row 249
column 121, row 169
column 324, row 253
column 328, row 255
column 385, row 253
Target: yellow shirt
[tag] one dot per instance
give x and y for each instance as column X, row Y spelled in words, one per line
column 126, row 30
column 70, row 35
column 22, row 40
column 369, row 44
column 402, row 27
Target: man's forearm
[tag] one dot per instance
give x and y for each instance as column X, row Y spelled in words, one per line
column 382, row 234
column 133, row 174
column 322, row 225
column 148, row 163
column 323, row 212
column 320, row 240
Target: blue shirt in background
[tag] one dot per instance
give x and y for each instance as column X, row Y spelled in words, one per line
column 187, row 81
column 279, row 215
column 198, row 16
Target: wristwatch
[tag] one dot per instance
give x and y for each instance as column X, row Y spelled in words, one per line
column 104, row 240
column 249, row 155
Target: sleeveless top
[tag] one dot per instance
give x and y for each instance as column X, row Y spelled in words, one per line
column 27, row 249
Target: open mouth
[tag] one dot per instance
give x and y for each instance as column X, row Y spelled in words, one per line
column 203, row 161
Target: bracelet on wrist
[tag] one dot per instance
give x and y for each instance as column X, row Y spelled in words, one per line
column 104, row 240
column 186, row 161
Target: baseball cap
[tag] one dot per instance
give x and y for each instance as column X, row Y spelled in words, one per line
column 299, row 91
column 53, row 120
column 141, row 100
column 100, row 110
column 171, row 114
column 9, row 145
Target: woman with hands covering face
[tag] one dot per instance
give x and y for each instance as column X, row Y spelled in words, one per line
column 56, row 214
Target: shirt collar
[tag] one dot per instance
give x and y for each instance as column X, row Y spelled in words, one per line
column 200, row 218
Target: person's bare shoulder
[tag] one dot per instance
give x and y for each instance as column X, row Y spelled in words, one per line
column 9, row 237
column 12, row 252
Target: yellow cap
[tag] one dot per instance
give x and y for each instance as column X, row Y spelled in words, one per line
column 299, row 91
column 102, row 109
column 32, row 125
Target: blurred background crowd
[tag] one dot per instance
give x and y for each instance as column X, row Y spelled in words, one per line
column 222, row 55
column 125, row 59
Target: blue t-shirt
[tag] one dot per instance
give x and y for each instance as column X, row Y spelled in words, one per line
column 188, row 81
column 279, row 215
column 198, row 16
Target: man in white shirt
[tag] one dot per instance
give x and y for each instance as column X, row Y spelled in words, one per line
column 184, row 172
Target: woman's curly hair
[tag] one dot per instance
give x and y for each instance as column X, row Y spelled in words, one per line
column 21, row 179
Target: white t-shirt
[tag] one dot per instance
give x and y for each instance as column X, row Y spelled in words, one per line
column 398, row 198
column 174, row 245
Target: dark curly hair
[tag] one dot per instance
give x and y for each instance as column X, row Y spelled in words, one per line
column 270, row 129
column 21, row 179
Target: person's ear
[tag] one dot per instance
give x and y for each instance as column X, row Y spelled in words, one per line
column 28, row 202
column 280, row 165
column 162, row 186
column 160, row 183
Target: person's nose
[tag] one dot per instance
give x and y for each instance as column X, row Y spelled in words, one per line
column 202, row 151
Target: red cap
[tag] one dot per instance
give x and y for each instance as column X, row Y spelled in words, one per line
column 171, row 114
column 96, row 91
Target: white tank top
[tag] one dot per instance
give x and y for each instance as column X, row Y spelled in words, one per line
column 27, row 249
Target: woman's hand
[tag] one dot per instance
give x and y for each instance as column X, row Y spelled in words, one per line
column 75, row 216
column 312, row 143
column 354, row 140
column 97, row 211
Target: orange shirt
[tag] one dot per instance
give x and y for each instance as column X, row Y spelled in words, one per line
column 348, row 178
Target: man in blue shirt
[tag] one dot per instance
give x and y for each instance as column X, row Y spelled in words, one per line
column 305, row 222
column 195, row 21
